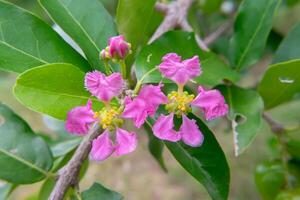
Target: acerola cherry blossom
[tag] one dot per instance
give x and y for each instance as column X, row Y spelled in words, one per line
column 80, row 118
column 118, row 47
column 104, row 87
column 145, row 104
column 179, row 71
column 212, row 102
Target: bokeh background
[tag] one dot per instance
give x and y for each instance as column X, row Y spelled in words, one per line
column 137, row 176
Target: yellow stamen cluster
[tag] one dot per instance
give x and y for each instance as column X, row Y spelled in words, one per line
column 109, row 118
column 179, row 102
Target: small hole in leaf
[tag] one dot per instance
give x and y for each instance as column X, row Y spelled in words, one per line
column 284, row 79
column 240, row 119
column 2, row 120
column 149, row 57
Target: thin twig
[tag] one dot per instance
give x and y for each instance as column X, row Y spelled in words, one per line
column 175, row 16
column 275, row 126
column 68, row 175
column 218, row 32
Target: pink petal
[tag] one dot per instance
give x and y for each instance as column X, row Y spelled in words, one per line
column 118, row 47
column 104, row 87
column 79, row 119
column 179, row 71
column 102, row 147
column 163, row 128
column 144, row 105
column 190, row 133
column 126, row 142
column 212, row 102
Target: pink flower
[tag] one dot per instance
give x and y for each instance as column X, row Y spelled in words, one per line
column 212, row 102
column 144, row 105
column 180, row 71
column 189, row 132
column 103, row 147
column 80, row 118
column 104, row 87
column 118, row 47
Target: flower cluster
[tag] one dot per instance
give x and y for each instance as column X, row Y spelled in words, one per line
column 138, row 107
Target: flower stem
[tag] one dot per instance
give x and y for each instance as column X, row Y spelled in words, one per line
column 180, row 88
column 107, row 68
column 123, row 68
column 140, row 82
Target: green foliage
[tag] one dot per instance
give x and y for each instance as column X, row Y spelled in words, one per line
column 53, row 89
column 246, row 107
column 214, row 69
column 207, row 163
column 289, row 48
column 269, row 178
column 24, row 157
column 280, row 83
column 251, row 29
column 64, row 147
column 5, row 190
column 87, row 22
column 98, row 191
column 26, row 42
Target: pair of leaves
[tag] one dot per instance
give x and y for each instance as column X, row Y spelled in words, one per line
column 98, row 191
column 251, row 29
column 27, row 42
column 184, row 44
column 24, row 157
column 207, row 163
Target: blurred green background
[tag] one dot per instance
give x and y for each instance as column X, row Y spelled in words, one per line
column 137, row 176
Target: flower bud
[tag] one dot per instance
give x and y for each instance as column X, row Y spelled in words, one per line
column 118, row 47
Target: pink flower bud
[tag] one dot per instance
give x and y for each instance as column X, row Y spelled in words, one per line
column 118, row 47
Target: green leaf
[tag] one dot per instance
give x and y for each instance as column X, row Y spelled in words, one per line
column 184, row 44
column 292, row 194
column 269, row 179
column 87, row 22
column 156, row 147
column 207, row 163
column 251, row 29
column 27, row 42
column 246, row 107
column 62, row 148
column 133, row 19
column 5, row 190
column 289, row 47
column 24, row 157
column 53, row 89
column 98, row 191
column 280, row 83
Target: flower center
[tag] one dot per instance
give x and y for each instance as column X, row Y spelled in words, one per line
column 179, row 102
column 109, row 118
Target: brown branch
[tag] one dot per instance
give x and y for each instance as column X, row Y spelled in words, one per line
column 275, row 126
column 175, row 16
column 68, row 175
column 218, row 32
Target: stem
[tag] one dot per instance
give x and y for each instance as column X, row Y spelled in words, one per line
column 140, row 82
column 68, row 175
column 180, row 88
column 107, row 68
column 123, row 68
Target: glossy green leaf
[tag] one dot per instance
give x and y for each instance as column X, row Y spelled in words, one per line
column 246, row 107
column 293, row 147
column 156, row 147
column 280, row 83
column 87, row 22
column 133, row 19
column 98, row 191
column 53, row 89
column 207, row 163
column 64, row 147
column 27, row 42
column 251, row 29
column 289, row 47
column 293, row 194
column 184, row 44
column 24, row 157
column 208, row 6
column 269, row 179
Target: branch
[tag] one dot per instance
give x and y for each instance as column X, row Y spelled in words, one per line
column 175, row 16
column 218, row 32
column 274, row 125
column 68, row 175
